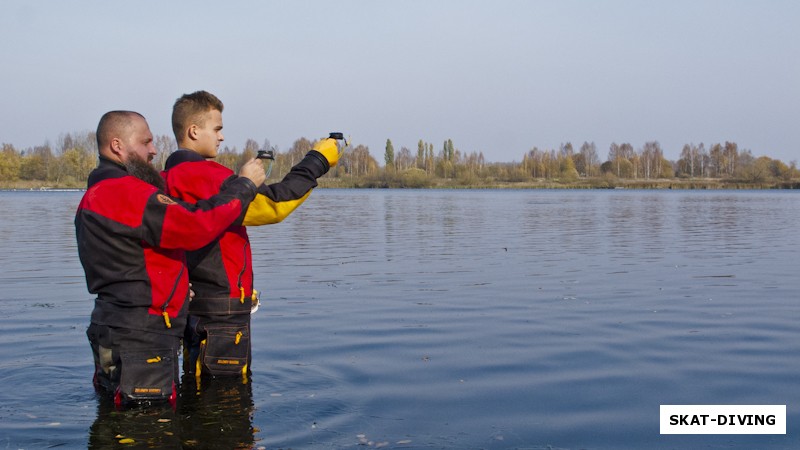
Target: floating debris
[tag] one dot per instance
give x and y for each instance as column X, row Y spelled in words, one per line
column 362, row 440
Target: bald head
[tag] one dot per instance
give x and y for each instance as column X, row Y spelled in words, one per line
column 121, row 133
column 115, row 124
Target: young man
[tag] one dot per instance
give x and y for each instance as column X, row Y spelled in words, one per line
column 132, row 239
column 217, row 340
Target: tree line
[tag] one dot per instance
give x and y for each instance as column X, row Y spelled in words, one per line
column 68, row 162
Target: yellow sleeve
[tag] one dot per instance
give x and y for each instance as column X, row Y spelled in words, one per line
column 264, row 211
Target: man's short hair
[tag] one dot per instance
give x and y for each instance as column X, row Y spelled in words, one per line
column 190, row 108
column 114, row 124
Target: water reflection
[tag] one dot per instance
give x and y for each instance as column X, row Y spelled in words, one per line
column 216, row 415
column 151, row 427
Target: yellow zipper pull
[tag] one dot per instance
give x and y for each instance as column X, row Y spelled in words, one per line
column 166, row 319
column 241, row 297
column 238, row 337
column 154, row 360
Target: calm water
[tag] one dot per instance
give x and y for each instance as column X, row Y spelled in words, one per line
column 443, row 319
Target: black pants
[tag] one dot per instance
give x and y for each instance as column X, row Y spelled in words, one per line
column 217, row 345
column 134, row 365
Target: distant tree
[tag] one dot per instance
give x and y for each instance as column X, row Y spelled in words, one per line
column 228, row 157
column 165, row 145
column 474, row 163
column 37, row 164
column 249, row 152
column 420, row 163
column 586, row 162
column 753, row 170
column 76, row 164
column 10, row 161
column 620, row 167
column 449, row 150
column 298, row 151
column 648, row 161
column 716, row 161
column 693, row 160
column 780, row 170
column 404, row 160
column 430, row 160
column 567, row 171
column 389, row 156
column 618, row 154
column 731, row 155
column 565, row 150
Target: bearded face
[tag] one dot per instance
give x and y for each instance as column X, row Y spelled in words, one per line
column 144, row 171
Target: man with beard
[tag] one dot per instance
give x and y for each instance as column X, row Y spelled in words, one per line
column 132, row 240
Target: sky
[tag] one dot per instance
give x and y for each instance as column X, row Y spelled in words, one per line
column 497, row 77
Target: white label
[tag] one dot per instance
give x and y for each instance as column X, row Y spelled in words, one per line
column 723, row 419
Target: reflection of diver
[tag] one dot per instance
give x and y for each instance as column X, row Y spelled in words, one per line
column 138, row 427
column 216, row 413
column 219, row 415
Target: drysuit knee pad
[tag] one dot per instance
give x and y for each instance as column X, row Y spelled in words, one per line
column 226, row 350
column 148, row 374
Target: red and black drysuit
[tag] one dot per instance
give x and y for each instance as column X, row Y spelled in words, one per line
column 132, row 239
column 217, row 340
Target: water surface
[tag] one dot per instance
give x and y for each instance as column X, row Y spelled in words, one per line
column 443, row 319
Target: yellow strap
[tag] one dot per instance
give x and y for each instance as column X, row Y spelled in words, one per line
column 198, row 365
column 154, row 360
column 166, row 319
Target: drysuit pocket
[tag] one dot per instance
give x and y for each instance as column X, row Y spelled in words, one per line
column 148, row 374
column 226, row 350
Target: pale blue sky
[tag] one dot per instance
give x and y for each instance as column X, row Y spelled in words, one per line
column 499, row 77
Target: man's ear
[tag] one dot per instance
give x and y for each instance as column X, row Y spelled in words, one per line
column 191, row 132
column 116, row 147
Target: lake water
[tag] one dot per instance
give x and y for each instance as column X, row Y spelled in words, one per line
column 443, row 319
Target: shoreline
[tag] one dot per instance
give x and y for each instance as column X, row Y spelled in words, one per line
column 394, row 183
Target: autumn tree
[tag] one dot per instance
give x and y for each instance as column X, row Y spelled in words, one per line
column 227, row 156
column 37, row 164
column 650, row 159
column 404, row 160
column 165, row 145
column 10, row 161
column 731, row 156
column 586, row 161
column 420, row 162
column 620, row 156
column 357, row 163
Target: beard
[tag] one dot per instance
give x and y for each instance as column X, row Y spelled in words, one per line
column 144, row 171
